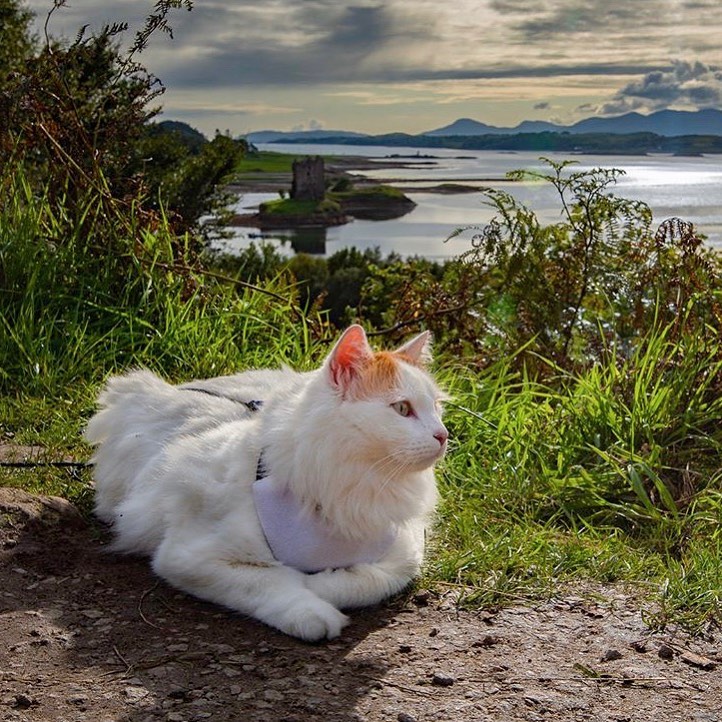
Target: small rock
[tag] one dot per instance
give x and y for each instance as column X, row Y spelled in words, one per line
column 421, row 599
column 405, row 648
column 22, row 701
column 442, row 680
column 666, row 652
column 489, row 640
column 134, row 694
column 697, row 660
column 640, row 646
column 486, row 618
column 610, row 655
column 403, row 717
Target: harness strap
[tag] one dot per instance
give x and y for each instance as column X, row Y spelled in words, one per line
column 252, row 406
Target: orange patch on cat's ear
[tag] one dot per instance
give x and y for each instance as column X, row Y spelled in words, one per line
column 378, row 376
column 350, row 354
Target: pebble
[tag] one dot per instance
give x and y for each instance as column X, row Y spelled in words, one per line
column 610, row 655
column 666, row 652
column 135, row 694
column 421, row 599
column 442, row 680
column 22, row 701
column 490, row 640
column 403, row 717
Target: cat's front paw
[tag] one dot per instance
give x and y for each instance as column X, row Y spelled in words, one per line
column 311, row 620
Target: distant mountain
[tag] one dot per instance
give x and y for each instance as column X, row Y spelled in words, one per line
column 664, row 122
column 466, row 126
column 276, row 136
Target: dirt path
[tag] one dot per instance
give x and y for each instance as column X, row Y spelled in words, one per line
column 86, row 635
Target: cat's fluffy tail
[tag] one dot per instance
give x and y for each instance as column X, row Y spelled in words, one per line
column 139, row 415
column 133, row 424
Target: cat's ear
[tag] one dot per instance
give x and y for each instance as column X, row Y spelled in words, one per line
column 418, row 349
column 349, row 355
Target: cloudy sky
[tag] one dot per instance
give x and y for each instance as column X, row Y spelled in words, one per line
column 414, row 65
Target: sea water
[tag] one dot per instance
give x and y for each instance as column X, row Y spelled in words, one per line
column 685, row 187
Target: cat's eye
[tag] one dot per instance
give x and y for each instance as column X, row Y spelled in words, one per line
column 403, row 408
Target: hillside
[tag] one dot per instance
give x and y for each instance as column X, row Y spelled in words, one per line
column 661, row 127
column 551, row 142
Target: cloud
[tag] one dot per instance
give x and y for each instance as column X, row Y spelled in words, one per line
column 313, row 124
column 278, row 43
column 562, row 19
column 685, row 85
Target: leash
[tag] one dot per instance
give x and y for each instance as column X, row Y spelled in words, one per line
column 36, row 464
column 250, row 405
column 253, row 406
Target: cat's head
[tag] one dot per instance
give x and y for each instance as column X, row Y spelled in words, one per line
column 389, row 399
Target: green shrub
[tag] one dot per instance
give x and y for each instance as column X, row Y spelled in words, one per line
column 570, row 292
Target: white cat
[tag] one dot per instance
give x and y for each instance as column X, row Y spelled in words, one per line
column 286, row 496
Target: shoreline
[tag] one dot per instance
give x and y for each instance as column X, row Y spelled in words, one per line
column 353, row 167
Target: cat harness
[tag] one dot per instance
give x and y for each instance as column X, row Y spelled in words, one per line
column 306, row 541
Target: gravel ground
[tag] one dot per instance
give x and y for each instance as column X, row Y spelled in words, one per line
column 87, row 635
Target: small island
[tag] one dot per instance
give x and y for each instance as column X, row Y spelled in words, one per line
column 318, row 197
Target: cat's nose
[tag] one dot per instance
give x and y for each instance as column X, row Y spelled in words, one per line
column 441, row 436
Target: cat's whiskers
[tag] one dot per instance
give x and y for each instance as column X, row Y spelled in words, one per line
column 396, row 472
column 390, row 462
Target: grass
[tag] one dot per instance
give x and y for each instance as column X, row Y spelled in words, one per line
column 379, row 192
column 609, row 475
column 265, row 161
column 293, row 207
column 612, row 475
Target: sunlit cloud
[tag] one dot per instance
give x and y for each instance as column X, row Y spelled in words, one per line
column 687, row 85
column 378, row 62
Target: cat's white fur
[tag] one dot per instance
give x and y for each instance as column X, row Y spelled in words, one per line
column 174, row 471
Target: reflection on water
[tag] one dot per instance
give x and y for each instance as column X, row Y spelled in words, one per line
column 305, row 240
column 690, row 188
column 311, row 240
